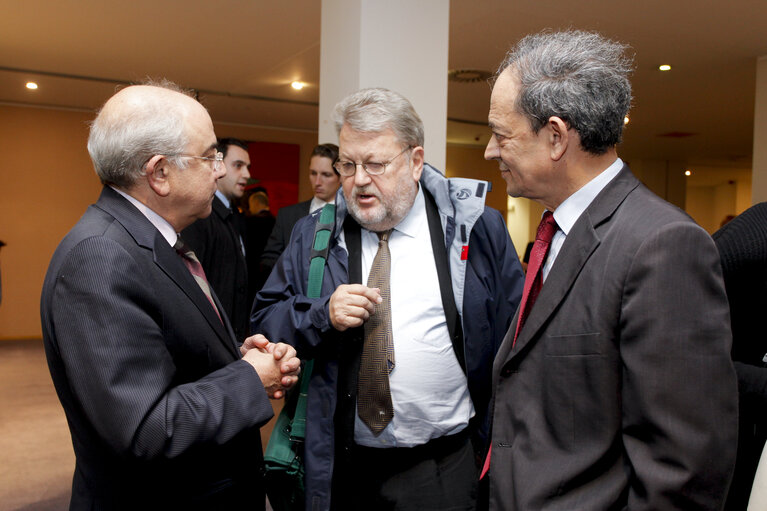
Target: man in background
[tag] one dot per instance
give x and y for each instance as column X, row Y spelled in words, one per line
column 325, row 182
column 259, row 223
column 613, row 388
column 218, row 239
column 162, row 411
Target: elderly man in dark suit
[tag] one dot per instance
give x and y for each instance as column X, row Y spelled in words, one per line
column 613, row 388
column 163, row 412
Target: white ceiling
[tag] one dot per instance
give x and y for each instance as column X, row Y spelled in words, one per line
column 245, row 53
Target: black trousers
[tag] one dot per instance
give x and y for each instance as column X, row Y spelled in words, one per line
column 440, row 475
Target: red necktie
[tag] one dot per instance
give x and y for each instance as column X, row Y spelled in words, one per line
column 533, row 284
column 534, row 277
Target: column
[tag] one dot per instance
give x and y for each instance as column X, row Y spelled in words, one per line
column 401, row 45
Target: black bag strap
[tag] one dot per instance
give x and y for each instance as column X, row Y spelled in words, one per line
column 323, row 230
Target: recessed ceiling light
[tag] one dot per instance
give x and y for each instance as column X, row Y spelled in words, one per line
column 31, row 85
column 626, row 120
column 664, row 67
column 687, row 173
column 298, row 85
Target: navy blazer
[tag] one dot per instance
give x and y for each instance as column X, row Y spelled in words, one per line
column 161, row 410
column 283, row 227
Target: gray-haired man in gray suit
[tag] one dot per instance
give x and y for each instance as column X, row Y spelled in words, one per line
column 617, row 391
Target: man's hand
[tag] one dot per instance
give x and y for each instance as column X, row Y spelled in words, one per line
column 352, row 304
column 276, row 364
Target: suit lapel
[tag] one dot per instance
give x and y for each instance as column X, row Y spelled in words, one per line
column 170, row 263
column 147, row 236
column 580, row 243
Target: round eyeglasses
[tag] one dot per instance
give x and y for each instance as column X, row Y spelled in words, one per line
column 348, row 168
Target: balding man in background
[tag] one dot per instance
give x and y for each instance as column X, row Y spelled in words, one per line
column 162, row 411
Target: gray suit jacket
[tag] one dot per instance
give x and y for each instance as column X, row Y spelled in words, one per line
column 619, row 392
column 162, row 412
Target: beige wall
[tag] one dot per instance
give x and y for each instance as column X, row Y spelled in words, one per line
column 713, row 193
column 46, row 183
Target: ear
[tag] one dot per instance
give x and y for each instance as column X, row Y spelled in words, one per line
column 559, row 137
column 156, row 172
column 416, row 162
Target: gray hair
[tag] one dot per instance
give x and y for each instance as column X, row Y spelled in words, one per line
column 578, row 76
column 121, row 142
column 375, row 110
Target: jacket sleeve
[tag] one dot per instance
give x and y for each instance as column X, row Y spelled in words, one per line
column 110, row 336
column 504, row 269
column 282, row 312
column 679, row 396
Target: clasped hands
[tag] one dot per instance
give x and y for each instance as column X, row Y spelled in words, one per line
column 276, row 364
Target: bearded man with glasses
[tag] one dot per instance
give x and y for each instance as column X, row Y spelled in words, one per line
column 420, row 284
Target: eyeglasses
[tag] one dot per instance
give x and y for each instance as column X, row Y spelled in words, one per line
column 218, row 159
column 349, row 168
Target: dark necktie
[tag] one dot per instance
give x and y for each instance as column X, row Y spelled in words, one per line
column 374, row 403
column 534, row 277
column 533, row 284
column 195, row 268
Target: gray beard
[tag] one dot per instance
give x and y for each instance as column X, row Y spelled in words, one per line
column 389, row 214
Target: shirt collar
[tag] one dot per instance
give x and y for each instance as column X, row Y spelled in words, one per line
column 162, row 225
column 223, row 199
column 573, row 207
column 319, row 203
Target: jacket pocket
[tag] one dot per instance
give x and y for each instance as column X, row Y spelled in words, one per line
column 576, row 345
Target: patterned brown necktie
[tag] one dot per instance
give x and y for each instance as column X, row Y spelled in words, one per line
column 374, row 403
column 195, row 268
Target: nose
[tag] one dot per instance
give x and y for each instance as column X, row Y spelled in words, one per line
column 492, row 150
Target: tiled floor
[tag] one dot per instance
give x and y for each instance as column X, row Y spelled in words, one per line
column 37, row 458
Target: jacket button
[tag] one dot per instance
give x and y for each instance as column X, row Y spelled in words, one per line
column 348, row 395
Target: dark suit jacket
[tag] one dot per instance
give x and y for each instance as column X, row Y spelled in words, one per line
column 162, row 412
column 216, row 243
column 619, row 392
column 742, row 245
column 280, row 237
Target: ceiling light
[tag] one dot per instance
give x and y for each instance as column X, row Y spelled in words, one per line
column 298, row 85
column 626, row 120
column 664, row 67
column 31, row 85
column 687, row 173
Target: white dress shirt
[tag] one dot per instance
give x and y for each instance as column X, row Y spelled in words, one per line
column 167, row 230
column 429, row 390
column 319, row 203
column 573, row 207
